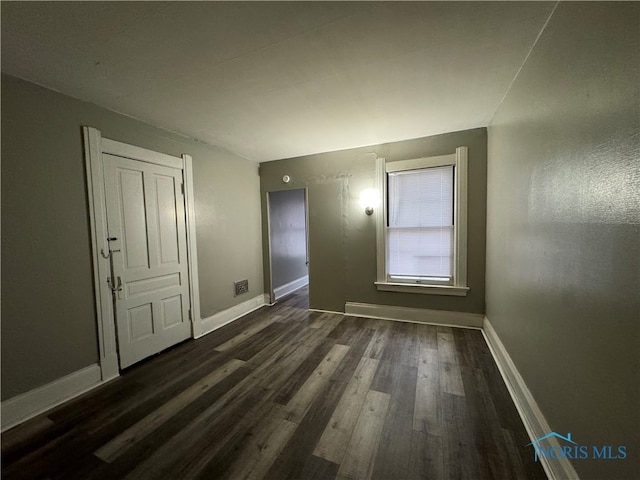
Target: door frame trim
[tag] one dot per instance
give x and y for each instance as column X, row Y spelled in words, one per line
column 94, row 146
column 272, row 293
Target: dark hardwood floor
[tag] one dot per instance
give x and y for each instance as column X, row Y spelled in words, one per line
column 288, row 393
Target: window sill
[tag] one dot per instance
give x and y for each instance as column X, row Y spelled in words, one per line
column 422, row 288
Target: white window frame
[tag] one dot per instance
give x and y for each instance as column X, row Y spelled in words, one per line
column 459, row 160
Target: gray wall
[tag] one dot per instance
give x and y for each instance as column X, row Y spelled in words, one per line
column 342, row 239
column 563, row 248
column 48, row 313
column 287, row 229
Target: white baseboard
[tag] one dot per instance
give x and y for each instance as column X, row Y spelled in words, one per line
column 209, row 324
column 530, row 413
column 290, row 287
column 27, row 405
column 415, row 315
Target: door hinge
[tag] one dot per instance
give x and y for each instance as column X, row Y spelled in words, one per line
column 182, row 188
column 190, row 317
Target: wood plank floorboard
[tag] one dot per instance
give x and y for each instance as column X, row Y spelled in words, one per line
column 287, row 393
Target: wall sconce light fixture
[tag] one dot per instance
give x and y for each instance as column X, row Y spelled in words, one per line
column 369, row 200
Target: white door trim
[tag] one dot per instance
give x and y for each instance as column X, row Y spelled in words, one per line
column 125, row 150
column 272, row 295
column 95, row 145
column 192, row 248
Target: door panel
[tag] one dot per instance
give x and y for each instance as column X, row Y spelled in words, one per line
column 133, row 218
column 172, row 311
column 146, row 221
column 140, row 321
column 167, row 225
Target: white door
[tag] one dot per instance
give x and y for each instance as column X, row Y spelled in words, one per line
column 147, row 240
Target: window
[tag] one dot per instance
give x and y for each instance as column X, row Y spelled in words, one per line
column 422, row 228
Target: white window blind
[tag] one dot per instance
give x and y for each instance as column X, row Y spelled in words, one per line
column 420, row 224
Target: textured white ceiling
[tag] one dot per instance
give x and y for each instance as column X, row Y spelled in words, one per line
column 270, row 80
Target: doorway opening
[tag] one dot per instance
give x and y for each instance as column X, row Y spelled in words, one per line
column 288, row 242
